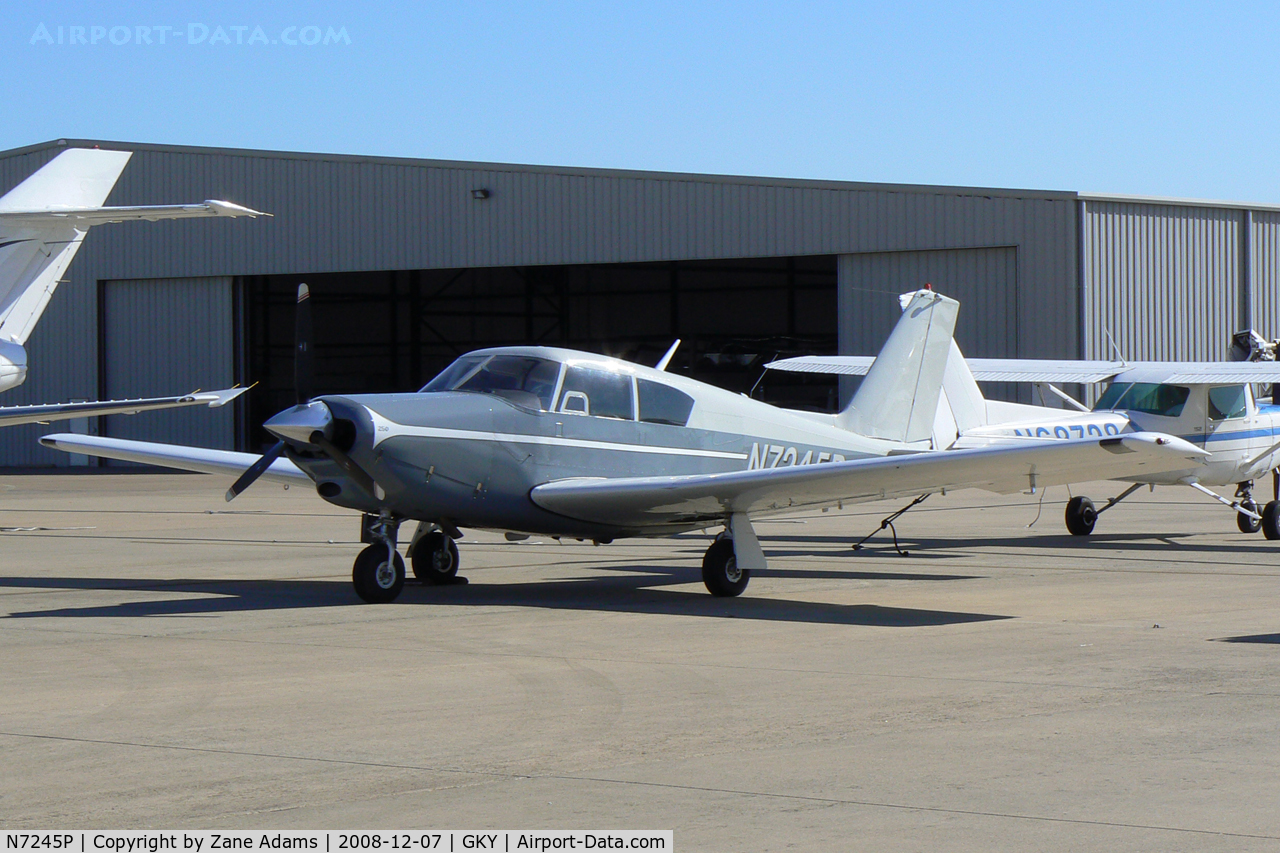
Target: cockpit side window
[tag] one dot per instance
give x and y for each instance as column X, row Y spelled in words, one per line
column 601, row 393
column 524, row 380
column 1226, row 401
column 662, row 404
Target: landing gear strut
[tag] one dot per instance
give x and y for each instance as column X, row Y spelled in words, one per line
column 1082, row 515
column 378, row 573
column 1246, row 522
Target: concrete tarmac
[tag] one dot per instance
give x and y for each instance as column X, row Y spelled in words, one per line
column 172, row 661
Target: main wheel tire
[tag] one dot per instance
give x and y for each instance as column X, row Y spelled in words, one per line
column 720, row 570
column 376, row 580
column 1271, row 520
column 1081, row 516
column 1247, row 523
column 435, row 559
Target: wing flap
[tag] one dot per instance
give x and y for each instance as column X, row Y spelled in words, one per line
column 658, row 501
column 199, row 459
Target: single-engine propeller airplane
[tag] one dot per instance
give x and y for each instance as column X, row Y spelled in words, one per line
column 539, row 440
column 1209, row 404
column 43, row 221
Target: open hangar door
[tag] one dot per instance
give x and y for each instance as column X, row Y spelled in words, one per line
column 161, row 337
column 394, row 330
column 984, row 281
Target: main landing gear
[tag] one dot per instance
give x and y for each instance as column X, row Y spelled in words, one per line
column 1081, row 514
column 720, row 570
column 378, row 574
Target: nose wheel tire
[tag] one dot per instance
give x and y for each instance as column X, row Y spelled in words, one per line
column 1271, row 520
column 1081, row 516
column 720, row 570
column 376, row 580
column 1247, row 523
column 435, row 559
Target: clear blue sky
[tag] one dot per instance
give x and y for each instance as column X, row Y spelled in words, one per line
column 1174, row 99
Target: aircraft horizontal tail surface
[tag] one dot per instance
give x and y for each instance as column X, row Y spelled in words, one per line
column 44, row 219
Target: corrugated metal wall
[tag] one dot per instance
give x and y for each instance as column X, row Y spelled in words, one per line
column 1162, row 280
column 984, row 280
column 335, row 214
column 1266, row 273
column 190, row 322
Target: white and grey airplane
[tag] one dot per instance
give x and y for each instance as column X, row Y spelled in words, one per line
column 538, row 440
column 1209, row 404
column 43, row 221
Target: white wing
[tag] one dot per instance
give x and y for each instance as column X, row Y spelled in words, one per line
column 200, row 459
column 658, row 501
column 13, row 415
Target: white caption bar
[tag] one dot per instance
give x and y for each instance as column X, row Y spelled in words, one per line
column 340, row 841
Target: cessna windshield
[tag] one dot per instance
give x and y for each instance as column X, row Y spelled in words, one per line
column 1148, row 398
column 585, row 389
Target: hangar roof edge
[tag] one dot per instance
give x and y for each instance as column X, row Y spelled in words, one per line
column 797, row 183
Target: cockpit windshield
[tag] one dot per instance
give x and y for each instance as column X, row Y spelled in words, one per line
column 524, row 380
column 1146, row 397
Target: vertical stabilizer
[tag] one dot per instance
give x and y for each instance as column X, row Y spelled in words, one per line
column 961, row 393
column 36, row 246
column 898, row 399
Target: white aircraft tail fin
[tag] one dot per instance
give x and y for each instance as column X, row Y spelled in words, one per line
column 35, row 251
column 968, row 406
column 898, row 399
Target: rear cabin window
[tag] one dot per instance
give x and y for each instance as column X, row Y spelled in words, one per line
column 662, row 404
column 1145, row 397
column 601, row 393
column 1225, row 402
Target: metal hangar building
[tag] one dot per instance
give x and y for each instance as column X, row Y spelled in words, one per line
column 412, row 262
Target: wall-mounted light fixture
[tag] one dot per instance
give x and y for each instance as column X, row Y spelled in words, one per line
column 480, row 194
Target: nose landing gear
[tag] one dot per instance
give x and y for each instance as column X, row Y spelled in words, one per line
column 378, row 573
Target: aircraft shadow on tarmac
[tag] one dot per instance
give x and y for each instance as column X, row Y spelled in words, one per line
column 630, row 593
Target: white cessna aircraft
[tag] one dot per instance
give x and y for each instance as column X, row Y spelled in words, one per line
column 1209, row 404
column 564, row 443
column 43, row 221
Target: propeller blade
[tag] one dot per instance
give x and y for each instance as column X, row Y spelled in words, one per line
column 255, row 470
column 303, row 369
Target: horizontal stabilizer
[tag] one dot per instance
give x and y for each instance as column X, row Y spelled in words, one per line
column 44, row 219
column 86, row 216
column 200, row 459
column 1049, row 370
column 14, row 415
